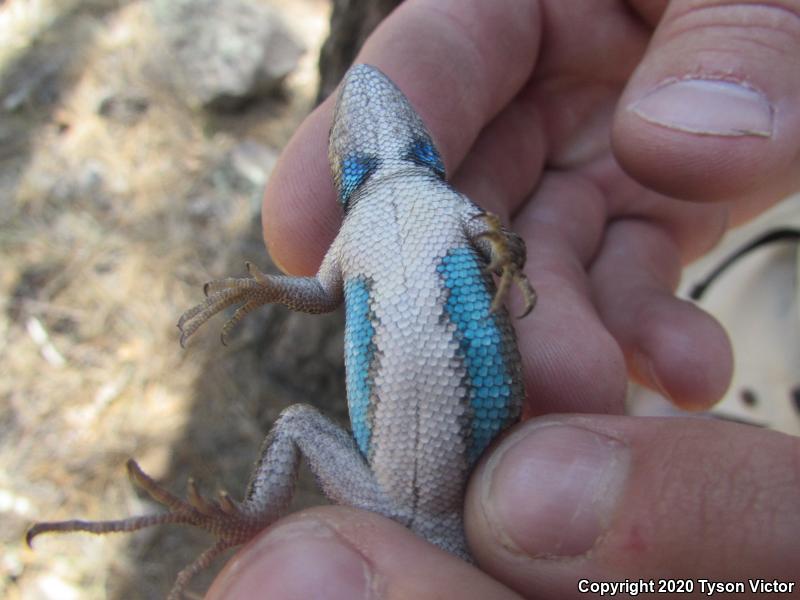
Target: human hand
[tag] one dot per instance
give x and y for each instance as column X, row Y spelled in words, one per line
column 521, row 99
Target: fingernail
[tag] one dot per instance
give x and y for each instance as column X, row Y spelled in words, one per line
column 553, row 489
column 707, row 107
column 302, row 559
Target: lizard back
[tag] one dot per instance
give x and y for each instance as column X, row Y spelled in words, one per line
column 432, row 374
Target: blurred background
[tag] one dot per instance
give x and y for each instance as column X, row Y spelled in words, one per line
column 135, row 140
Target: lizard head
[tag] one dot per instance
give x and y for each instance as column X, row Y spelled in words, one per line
column 375, row 130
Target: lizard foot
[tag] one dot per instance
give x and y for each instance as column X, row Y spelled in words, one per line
column 224, row 518
column 507, row 261
column 249, row 292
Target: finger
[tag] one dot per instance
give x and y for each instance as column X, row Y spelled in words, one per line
column 670, row 345
column 488, row 177
column 456, row 95
column 571, row 361
column 563, row 114
column 346, row 553
column 650, row 11
column 695, row 227
column 605, row 498
column 710, row 113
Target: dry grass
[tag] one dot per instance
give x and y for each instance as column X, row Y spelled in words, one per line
column 109, row 227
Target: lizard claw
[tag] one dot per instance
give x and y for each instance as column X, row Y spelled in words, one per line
column 507, row 261
column 249, row 292
column 528, row 294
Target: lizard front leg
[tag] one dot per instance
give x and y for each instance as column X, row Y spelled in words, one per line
column 300, row 431
column 314, row 295
column 505, row 252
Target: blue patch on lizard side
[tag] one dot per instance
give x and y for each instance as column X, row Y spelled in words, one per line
column 359, row 350
column 481, row 341
column 354, row 171
column 425, row 154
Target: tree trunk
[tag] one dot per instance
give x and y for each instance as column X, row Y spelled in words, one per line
column 351, row 23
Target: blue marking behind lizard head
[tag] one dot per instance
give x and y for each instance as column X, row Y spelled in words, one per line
column 375, row 130
column 493, row 395
column 425, row 154
column 354, row 171
column 359, row 352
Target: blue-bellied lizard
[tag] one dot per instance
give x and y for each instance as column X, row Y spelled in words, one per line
column 433, row 371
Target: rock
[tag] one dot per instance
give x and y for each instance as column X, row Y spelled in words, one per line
column 38, row 84
column 123, row 108
column 252, row 162
column 225, row 52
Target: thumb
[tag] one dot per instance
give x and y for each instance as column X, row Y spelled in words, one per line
column 601, row 498
column 712, row 110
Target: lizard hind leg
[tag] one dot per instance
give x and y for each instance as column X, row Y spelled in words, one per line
column 506, row 251
column 223, row 518
column 300, row 431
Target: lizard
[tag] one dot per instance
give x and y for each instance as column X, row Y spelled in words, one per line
column 433, row 373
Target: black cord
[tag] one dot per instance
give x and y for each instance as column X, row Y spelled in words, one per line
column 775, row 235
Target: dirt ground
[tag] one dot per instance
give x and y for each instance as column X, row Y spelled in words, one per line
column 117, row 202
